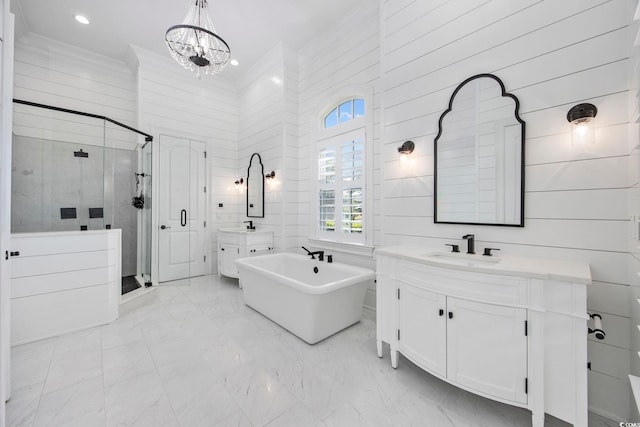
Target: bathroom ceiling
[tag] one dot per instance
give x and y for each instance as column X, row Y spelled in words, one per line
column 250, row 27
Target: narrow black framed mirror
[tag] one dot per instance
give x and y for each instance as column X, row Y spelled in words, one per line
column 479, row 156
column 255, row 187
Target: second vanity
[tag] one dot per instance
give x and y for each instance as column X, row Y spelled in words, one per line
column 507, row 328
column 234, row 243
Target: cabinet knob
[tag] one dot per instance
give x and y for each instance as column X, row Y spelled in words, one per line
column 222, row 249
column 451, row 315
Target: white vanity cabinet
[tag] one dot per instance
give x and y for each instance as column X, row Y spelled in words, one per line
column 239, row 243
column 508, row 330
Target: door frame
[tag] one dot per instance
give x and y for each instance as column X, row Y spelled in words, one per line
column 157, row 132
column 5, row 204
column 182, row 181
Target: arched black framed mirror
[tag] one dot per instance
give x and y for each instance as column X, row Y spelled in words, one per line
column 255, row 187
column 479, row 156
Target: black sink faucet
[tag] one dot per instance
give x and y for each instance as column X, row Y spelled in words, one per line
column 471, row 246
column 250, row 226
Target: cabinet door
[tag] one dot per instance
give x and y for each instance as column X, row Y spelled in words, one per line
column 487, row 348
column 423, row 328
column 228, row 254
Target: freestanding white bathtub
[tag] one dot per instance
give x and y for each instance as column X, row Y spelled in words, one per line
column 311, row 305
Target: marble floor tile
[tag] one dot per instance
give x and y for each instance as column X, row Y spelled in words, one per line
column 199, row 399
column 73, row 367
column 238, row 419
column 120, row 332
column 258, row 393
column 79, row 405
column 30, row 364
column 298, row 415
column 126, row 361
column 79, row 341
column 139, row 402
column 21, row 408
column 222, row 359
column 194, row 355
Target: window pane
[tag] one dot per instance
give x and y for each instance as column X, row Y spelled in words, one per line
column 327, row 165
column 352, row 160
column 352, row 210
column 358, row 108
column 331, row 119
column 346, row 111
column 326, row 210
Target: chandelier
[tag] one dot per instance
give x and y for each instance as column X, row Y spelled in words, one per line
column 195, row 45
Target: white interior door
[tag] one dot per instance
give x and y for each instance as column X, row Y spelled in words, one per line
column 181, row 208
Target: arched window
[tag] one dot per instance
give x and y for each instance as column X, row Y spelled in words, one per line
column 341, row 196
column 344, row 112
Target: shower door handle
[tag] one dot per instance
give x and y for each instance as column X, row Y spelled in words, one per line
column 183, row 217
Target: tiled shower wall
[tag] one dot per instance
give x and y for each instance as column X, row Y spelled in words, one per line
column 47, row 177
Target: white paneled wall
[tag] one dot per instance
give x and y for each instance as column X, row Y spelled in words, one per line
column 172, row 101
column 344, row 55
column 53, row 73
column 412, row 54
column 262, row 111
column 551, row 55
column 633, row 297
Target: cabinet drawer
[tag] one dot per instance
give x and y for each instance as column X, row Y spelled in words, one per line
column 233, row 238
column 469, row 285
column 263, row 239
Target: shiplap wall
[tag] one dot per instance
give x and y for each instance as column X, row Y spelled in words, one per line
column 262, row 112
column 172, row 101
column 345, row 54
column 634, row 203
column 551, row 55
column 53, row 73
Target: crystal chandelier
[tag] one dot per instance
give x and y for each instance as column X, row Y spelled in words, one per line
column 195, row 44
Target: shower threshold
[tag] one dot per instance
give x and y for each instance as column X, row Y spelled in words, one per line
column 129, row 283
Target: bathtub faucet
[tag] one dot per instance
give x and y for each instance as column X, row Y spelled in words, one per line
column 319, row 253
column 250, row 226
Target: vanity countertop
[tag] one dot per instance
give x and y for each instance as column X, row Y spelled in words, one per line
column 537, row 268
column 242, row 230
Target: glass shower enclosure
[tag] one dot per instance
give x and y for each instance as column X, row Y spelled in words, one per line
column 79, row 171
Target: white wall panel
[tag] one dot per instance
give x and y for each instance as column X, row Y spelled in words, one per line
column 172, row 101
column 552, row 56
column 56, row 293
column 345, row 54
column 51, row 73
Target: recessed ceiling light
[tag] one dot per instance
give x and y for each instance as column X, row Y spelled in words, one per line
column 276, row 80
column 81, row 19
column 234, row 62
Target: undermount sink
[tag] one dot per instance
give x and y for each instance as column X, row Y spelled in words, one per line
column 237, row 230
column 461, row 259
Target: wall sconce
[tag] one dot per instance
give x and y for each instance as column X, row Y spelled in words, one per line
column 582, row 118
column 406, row 148
column 271, row 175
